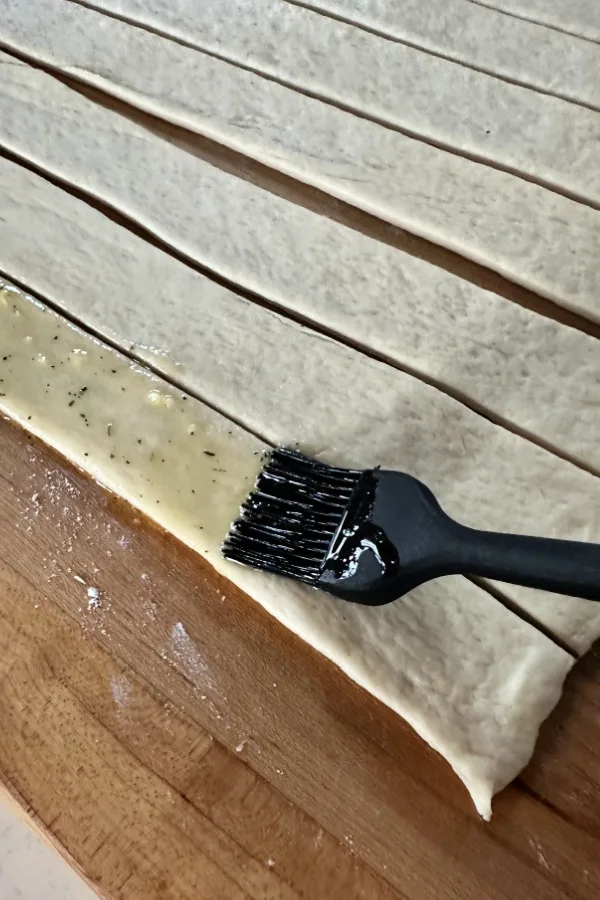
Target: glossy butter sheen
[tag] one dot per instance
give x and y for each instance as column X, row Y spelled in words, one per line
column 130, row 429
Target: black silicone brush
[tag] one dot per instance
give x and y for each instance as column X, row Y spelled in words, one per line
column 370, row 536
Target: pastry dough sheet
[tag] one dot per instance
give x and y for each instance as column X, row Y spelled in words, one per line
column 290, row 384
column 473, row 33
column 472, row 678
column 468, row 674
column 508, row 224
column 577, row 17
column 521, row 367
column 544, row 138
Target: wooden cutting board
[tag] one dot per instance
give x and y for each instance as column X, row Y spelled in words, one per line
column 174, row 741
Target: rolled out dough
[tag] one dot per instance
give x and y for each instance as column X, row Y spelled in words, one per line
column 468, row 675
column 354, row 285
column 484, row 38
column 546, row 138
column 577, row 17
column 269, row 369
column 510, row 225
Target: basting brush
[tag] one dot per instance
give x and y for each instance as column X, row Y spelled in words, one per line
column 370, row 536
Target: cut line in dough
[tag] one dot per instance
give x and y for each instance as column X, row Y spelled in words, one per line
column 353, row 285
column 473, row 679
column 579, row 18
column 491, row 217
column 475, row 35
column 288, row 383
column 550, row 141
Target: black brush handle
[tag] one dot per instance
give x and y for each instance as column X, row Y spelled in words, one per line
column 564, row 567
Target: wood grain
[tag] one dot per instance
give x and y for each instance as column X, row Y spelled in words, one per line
column 177, row 742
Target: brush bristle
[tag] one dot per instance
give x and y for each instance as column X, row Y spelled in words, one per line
column 288, row 522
